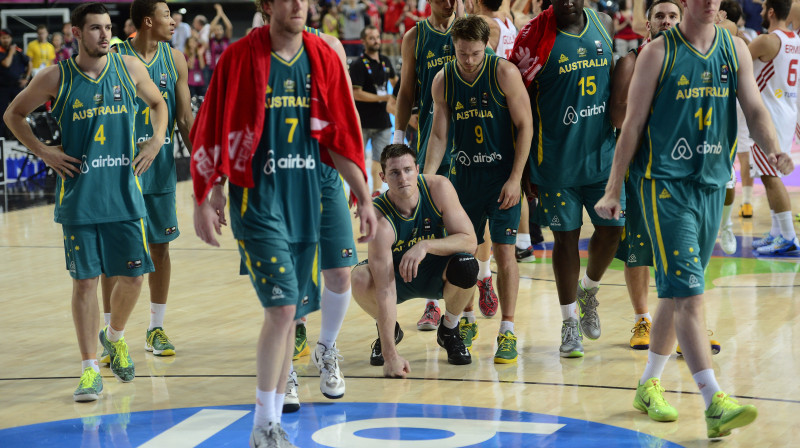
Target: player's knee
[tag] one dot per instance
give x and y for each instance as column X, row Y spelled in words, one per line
column 360, row 280
column 462, row 271
column 337, row 279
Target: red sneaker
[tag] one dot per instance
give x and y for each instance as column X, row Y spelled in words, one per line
column 487, row 299
column 430, row 318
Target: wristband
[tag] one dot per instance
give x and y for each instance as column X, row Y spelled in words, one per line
column 399, row 137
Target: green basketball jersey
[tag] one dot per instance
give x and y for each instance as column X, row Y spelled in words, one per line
column 483, row 133
column 691, row 132
column 573, row 139
column 433, row 49
column 161, row 176
column 285, row 201
column 96, row 118
column 425, row 224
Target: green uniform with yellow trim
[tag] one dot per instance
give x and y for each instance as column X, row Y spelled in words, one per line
column 277, row 222
column 336, row 244
column 483, row 149
column 159, row 181
column 573, row 139
column 432, row 50
column 425, row 224
column 683, row 165
column 101, row 208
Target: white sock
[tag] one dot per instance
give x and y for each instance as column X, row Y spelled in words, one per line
column 655, row 366
column 570, row 310
column 114, row 335
column 90, row 363
column 707, row 383
column 638, row 317
column 334, row 307
column 775, row 231
column 433, row 301
column 588, row 283
column 279, row 398
column 506, row 325
column 484, row 268
column 470, row 315
column 157, row 312
column 450, row 320
column 747, row 195
column 107, row 318
column 523, row 240
column 786, row 225
column 265, row 408
column 726, row 215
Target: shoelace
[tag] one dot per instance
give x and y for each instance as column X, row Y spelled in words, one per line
column 569, row 333
column 463, row 329
column 728, row 403
column 330, row 360
column 87, row 379
column 506, row 342
column 121, row 353
column 658, row 395
column 158, row 335
column 641, row 328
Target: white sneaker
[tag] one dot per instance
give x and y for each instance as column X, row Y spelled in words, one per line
column 269, row 436
column 727, row 240
column 331, row 380
column 291, row 402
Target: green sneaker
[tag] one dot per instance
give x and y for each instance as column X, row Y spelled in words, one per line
column 90, row 386
column 121, row 362
column 468, row 331
column 157, row 342
column 105, row 358
column 300, row 343
column 650, row 398
column 506, row 348
column 725, row 414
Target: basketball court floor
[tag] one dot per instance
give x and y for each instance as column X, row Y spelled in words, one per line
column 203, row 396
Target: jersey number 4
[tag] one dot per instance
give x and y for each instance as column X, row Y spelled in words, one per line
column 100, row 136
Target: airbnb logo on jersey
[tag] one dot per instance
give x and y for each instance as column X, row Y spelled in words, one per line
column 682, row 150
column 571, row 115
column 291, row 162
column 104, row 162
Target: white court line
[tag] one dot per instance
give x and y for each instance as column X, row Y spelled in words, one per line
column 195, row 429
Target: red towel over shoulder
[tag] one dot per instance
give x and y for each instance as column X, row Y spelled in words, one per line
column 230, row 122
column 533, row 45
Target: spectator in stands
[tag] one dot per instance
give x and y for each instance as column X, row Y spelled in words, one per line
column 371, row 74
column 41, row 51
column 625, row 38
column 196, row 63
column 353, row 13
column 15, row 71
column 219, row 38
column 182, row 31
column 202, row 27
column 129, row 30
column 70, row 43
column 62, row 52
column 330, row 21
column 392, row 20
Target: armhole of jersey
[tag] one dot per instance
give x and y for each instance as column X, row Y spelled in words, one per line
column 494, row 84
column 170, row 58
column 380, row 207
column 424, row 187
column 734, row 54
column 124, row 70
column 447, row 83
column 599, row 24
column 57, row 104
column 540, row 140
column 666, row 61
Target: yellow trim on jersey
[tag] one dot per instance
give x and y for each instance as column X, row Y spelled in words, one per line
column 441, row 33
column 428, row 195
column 416, row 209
column 496, row 80
column 657, row 226
column 294, row 59
column 244, row 201
column 727, row 36
column 540, row 143
column 247, row 262
column 61, row 193
column 136, row 53
column 170, row 58
column 648, row 171
column 124, row 70
column 493, row 76
column 477, row 78
column 102, row 74
column 144, row 235
column 315, row 266
column 585, row 27
column 60, row 86
column 69, row 91
column 733, row 148
column 694, row 50
column 386, row 215
column 600, row 27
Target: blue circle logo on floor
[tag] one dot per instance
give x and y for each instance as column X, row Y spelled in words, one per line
column 337, row 425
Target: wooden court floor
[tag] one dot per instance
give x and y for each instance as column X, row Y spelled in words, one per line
column 752, row 306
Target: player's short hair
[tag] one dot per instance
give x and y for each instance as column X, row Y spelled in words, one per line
column 78, row 16
column 472, row 28
column 366, row 29
column 141, row 9
column 396, row 150
column 41, row 27
column 493, row 5
column 658, row 2
column 781, row 8
column 732, row 9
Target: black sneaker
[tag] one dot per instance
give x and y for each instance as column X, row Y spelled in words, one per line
column 525, row 255
column 376, row 357
column 450, row 340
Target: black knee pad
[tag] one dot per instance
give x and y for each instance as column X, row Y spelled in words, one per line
column 462, row 271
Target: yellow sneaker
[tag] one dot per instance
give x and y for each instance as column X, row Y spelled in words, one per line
column 641, row 334
column 724, row 413
column 716, row 347
column 746, row 211
column 650, row 399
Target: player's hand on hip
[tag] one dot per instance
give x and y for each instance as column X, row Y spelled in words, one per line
column 411, row 261
column 782, row 161
column 60, row 162
column 368, row 221
column 509, row 195
column 206, row 219
column 608, row 207
column 396, row 367
column 148, row 150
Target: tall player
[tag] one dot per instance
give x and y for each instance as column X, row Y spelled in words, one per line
column 565, row 56
column 483, row 100
column 681, row 168
column 289, row 85
column 776, row 61
column 168, row 70
column 99, row 200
